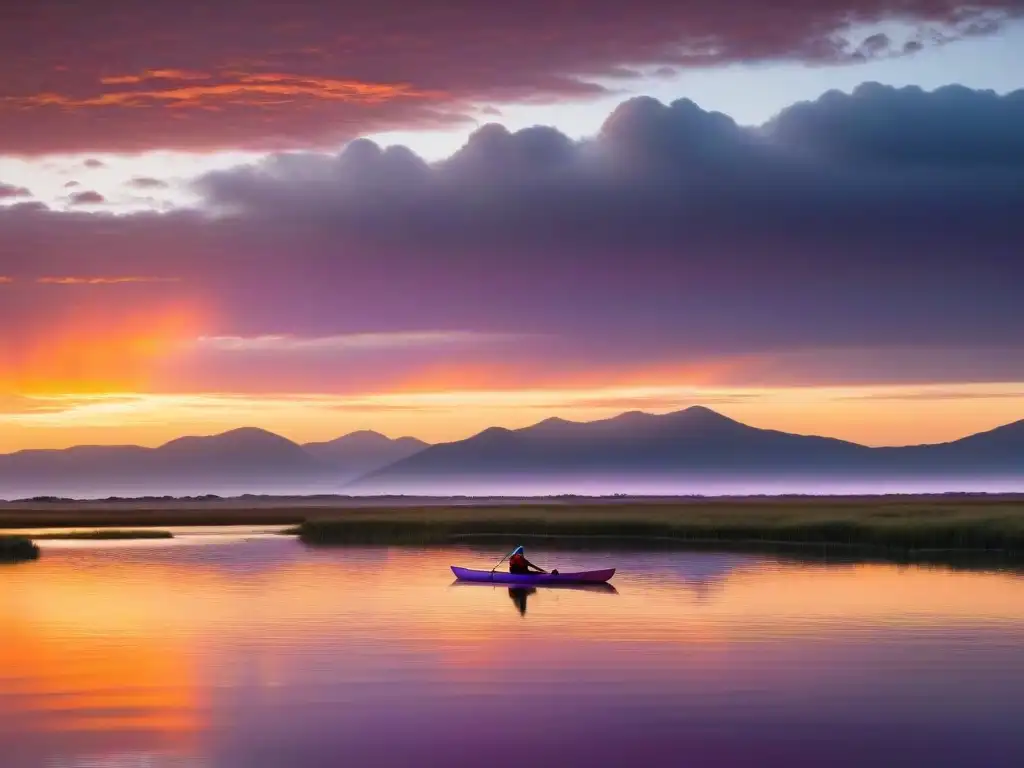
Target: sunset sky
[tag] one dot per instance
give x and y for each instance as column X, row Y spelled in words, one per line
column 427, row 218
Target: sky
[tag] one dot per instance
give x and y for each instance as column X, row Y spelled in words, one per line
column 431, row 218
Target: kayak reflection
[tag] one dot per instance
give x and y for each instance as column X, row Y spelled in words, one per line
column 520, row 594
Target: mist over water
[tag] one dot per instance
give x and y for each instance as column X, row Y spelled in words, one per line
column 708, row 485
column 243, row 648
column 592, row 484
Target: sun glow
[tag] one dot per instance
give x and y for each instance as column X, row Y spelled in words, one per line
column 96, row 352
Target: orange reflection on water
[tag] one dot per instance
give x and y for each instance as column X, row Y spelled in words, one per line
column 78, row 683
column 160, row 648
column 407, row 593
column 123, row 646
column 81, row 684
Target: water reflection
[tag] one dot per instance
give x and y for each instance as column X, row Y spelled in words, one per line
column 268, row 653
column 519, row 594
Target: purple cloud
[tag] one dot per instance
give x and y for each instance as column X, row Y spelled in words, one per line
column 87, row 197
column 145, row 182
column 198, row 75
column 673, row 237
column 10, row 192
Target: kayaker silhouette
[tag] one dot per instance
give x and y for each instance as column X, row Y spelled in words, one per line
column 518, row 563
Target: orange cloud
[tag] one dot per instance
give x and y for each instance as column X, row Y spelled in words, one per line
column 491, row 375
column 154, row 74
column 105, row 280
column 4, row 280
column 248, row 89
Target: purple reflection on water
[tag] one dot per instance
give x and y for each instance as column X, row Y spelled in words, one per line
column 265, row 653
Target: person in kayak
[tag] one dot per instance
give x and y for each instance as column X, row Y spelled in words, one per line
column 518, row 563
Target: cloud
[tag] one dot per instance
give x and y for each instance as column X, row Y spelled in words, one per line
column 313, row 74
column 5, row 280
column 87, row 197
column 153, row 74
column 117, row 280
column 93, row 163
column 145, row 182
column 346, row 342
column 9, row 191
column 672, row 246
column 245, row 90
column 959, row 127
column 940, row 394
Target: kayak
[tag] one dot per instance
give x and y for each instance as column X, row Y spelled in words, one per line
column 581, row 586
column 504, row 577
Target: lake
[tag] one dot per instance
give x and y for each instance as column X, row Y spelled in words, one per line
column 250, row 649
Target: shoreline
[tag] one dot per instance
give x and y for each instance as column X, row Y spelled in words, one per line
column 149, row 512
column 905, row 528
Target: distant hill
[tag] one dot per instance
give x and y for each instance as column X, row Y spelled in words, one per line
column 245, row 460
column 997, row 451
column 360, row 453
column 692, row 450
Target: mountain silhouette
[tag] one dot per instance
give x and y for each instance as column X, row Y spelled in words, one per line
column 359, row 453
column 997, row 451
column 696, row 450
column 245, row 460
column 645, row 453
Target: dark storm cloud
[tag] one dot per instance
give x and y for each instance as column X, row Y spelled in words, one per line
column 659, row 179
column 118, row 75
column 673, row 236
column 883, row 126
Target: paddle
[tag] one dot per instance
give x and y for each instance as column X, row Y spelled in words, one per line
column 517, row 549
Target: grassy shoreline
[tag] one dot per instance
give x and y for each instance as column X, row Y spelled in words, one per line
column 879, row 526
column 17, row 549
column 294, row 510
column 907, row 527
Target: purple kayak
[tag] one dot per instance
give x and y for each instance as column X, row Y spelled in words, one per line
column 504, row 577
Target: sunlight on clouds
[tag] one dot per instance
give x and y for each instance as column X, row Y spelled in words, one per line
column 105, row 280
column 111, row 176
column 340, row 342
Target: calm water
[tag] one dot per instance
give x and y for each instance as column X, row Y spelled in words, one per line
column 251, row 650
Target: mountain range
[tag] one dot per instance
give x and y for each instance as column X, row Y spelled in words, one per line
column 246, row 460
column 696, row 450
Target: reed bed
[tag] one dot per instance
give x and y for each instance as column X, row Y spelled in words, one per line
column 874, row 524
column 17, row 548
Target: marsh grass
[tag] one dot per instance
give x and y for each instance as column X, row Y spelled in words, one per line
column 104, row 535
column 17, row 548
column 872, row 524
